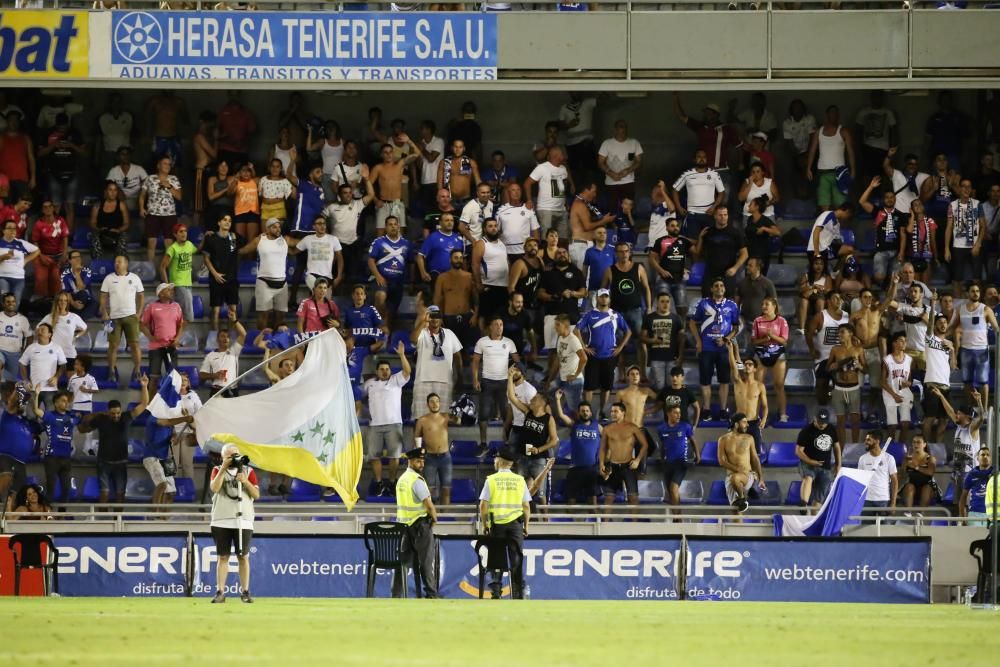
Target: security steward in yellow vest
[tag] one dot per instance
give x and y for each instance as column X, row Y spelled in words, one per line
column 991, row 502
column 505, row 510
column 415, row 508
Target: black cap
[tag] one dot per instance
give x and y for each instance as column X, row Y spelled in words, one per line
column 416, row 453
column 823, row 415
column 509, row 452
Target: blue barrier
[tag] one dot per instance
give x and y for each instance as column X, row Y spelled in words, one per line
column 555, row 567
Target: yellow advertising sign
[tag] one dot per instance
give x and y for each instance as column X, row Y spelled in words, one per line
column 43, row 44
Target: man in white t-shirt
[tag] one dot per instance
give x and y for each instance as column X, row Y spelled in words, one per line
column 495, row 352
column 431, row 151
column 517, row 223
column 619, row 158
column 876, row 127
column 884, row 484
column 572, row 359
column 439, row 360
column 906, row 183
column 385, row 431
column 222, row 366
column 324, row 253
column 524, row 391
column 14, row 333
column 474, row 213
column 129, row 178
column 554, row 185
column 121, row 300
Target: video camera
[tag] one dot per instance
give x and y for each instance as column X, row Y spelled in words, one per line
column 238, row 461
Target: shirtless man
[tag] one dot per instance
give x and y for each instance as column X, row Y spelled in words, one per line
column 431, row 431
column 738, row 456
column 584, row 220
column 750, row 395
column 867, row 323
column 458, row 173
column 618, row 459
column 455, row 294
column 389, row 176
column 204, row 155
column 634, row 397
column 164, row 114
column 846, row 364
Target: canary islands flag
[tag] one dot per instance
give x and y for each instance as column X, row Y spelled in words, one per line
column 304, row 426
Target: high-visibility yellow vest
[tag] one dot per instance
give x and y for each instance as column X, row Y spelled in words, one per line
column 506, row 495
column 408, row 508
column 991, row 503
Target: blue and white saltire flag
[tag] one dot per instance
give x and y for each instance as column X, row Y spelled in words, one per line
column 846, row 499
column 164, row 404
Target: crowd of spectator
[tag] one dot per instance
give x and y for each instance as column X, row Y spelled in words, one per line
column 569, row 308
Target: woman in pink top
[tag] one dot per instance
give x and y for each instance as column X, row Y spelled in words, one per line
column 769, row 336
column 318, row 313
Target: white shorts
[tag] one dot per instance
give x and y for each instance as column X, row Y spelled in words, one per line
column 577, row 253
column 269, row 298
column 155, row 470
column 550, row 334
column 897, row 412
column 393, row 208
column 733, row 493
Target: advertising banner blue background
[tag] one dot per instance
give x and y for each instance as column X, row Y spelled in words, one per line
column 822, row 570
column 569, row 568
column 122, row 565
column 303, row 45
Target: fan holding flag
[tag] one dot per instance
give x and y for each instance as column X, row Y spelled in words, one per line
column 174, row 405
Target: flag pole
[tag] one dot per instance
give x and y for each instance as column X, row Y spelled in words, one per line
column 236, row 381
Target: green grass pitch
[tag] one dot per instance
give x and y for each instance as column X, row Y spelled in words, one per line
column 501, row 633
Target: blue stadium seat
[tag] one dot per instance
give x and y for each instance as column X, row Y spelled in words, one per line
column 100, row 268
column 91, row 490
column 224, row 311
column 83, row 343
column 74, row 492
column 949, row 496
column 199, row 455
column 303, row 492
column 798, row 417
column 145, row 270
column 397, row 337
column 563, row 451
column 248, row 346
column 100, row 374
column 463, row 452
column 196, row 234
column 651, row 491
column 139, row 490
column 792, row 497
column 710, row 453
column 559, row 491
column 782, row 455
column 81, row 238
column 717, row 493
column 898, row 451
column 692, row 492
column 463, row 491
column 197, row 307
column 697, row 275
column 372, row 497
column 185, row 490
column 848, row 236
column 211, row 341
column 783, row 275
column 136, row 449
column 247, row 273
column 772, row 496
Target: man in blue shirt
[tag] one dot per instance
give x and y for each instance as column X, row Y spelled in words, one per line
column 973, row 500
column 58, row 424
column 158, row 437
column 434, row 257
column 599, row 330
column 596, row 261
column 714, row 319
column 364, row 323
column 356, row 355
column 17, row 441
column 76, row 279
column 387, row 260
column 582, row 479
column 310, row 200
column 680, row 451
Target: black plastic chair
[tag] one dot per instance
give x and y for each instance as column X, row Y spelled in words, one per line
column 30, row 558
column 982, row 551
column 497, row 561
column 383, row 539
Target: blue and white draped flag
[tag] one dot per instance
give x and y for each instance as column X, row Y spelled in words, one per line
column 164, row 404
column 846, row 499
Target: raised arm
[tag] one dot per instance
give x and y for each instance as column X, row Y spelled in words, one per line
column 515, row 402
